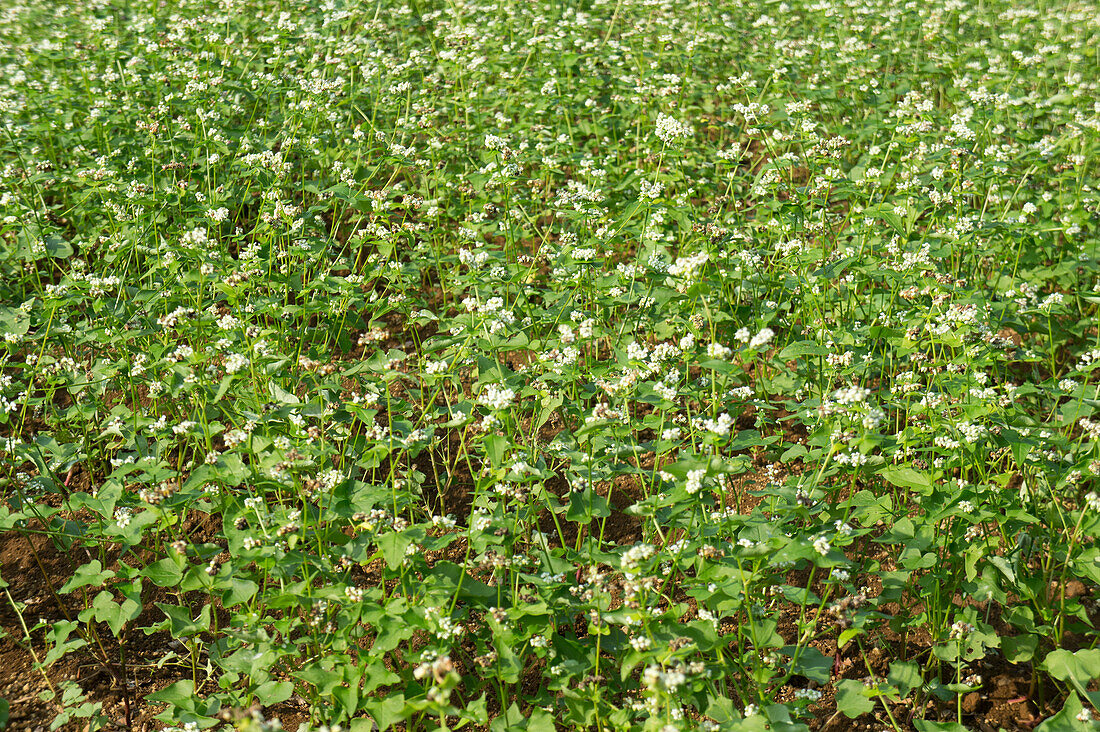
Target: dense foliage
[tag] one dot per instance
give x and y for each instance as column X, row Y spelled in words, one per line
column 619, row 364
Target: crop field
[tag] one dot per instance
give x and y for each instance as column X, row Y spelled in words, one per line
column 541, row 365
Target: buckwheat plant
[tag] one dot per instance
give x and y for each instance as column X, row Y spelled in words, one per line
column 529, row 365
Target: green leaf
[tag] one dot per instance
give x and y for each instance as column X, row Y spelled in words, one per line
column 905, row 532
column 223, row 387
column 3, row 713
column 779, row 718
column 540, row 721
column 767, row 635
column 362, row 724
column 721, row 710
column 1020, row 617
column 393, row 546
column 793, row 452
column 869, row 509
column 453, row 579
column 744, row 440
column 1019, row 648
column 178, row 694
column 907, row 477
column 893, row 219
column 57, row 247
column 477, row 711
column 91, row 574
column 586, row 504
column 491, row 371
column 239, row 590
column 852, row 699
column 811, row 663
column 802, row 348
column 1003, row 565
column 60, row 644
column 391, row 632
column 904, row 676
column 283, row 397
column 548, row 404
column 115, row 614
column 348, row 697
column 388, row 711
column 510, row 721
column 509, row 664
column 14, row 321
column 376, row 674
column 495, row 445
column 1079, row 667
column 164, row 573
column 322, row 678
column 848, row 635
column 274, row 692
column 182, row 625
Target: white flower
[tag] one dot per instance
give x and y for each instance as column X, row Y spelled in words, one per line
column 495, row 142
column 650, row 190
column 655, row 677
column 687, row 267
column 717, row 350
column 664, row 391
column 635, row 555
column 497, row 397
column 811, row 695
column 234, row 362
column 762, row 338
column 972, row 432
column 960, row 629
column 720, row 426
column 636, row 351
column 695, row 480
column 445, row 522
column 670, row 130
column 183, row 427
